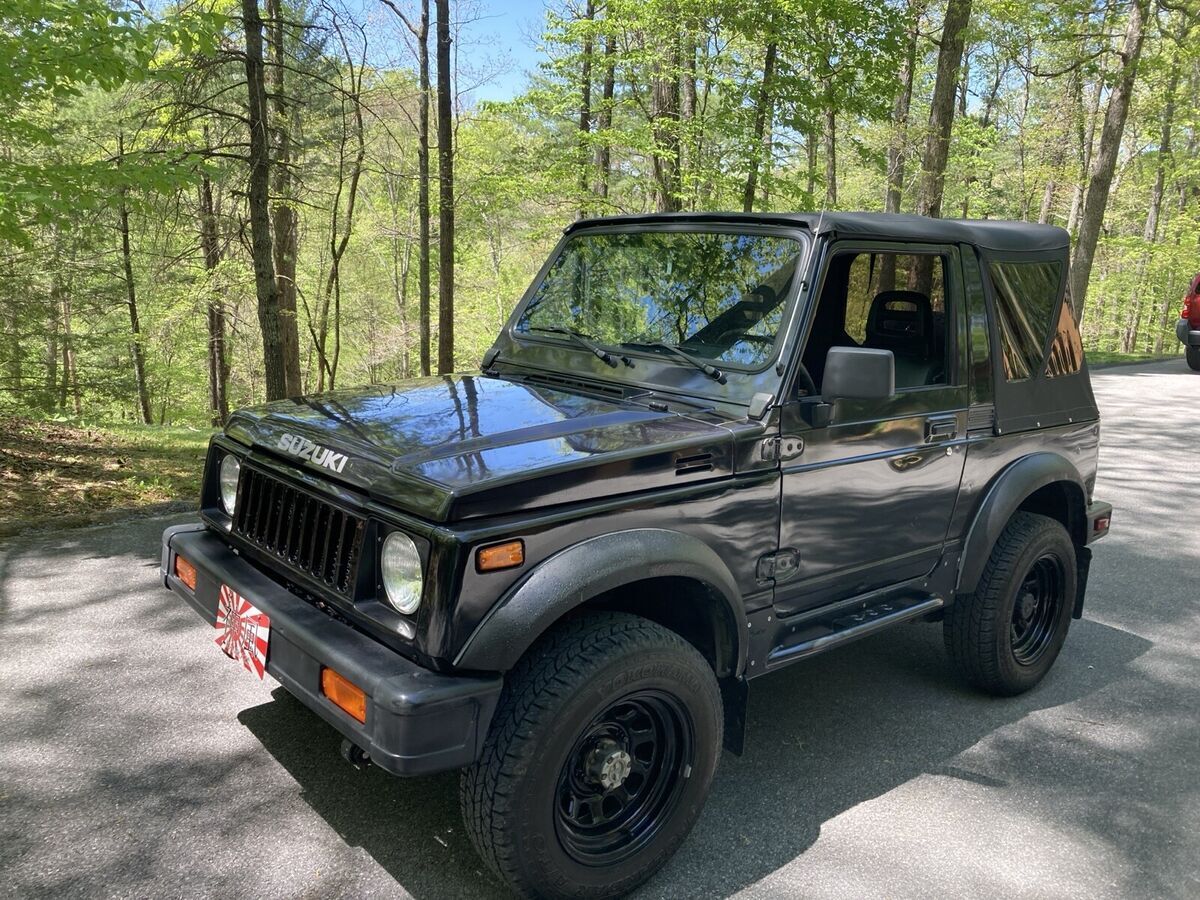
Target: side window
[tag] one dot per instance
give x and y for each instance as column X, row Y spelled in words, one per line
column 889, row 301
column 1026, row 293
column 1066, row 350
column 981, row 351
column 872, row 274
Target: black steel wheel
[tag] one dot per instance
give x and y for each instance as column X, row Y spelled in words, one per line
column 598, row 760
column 622, row 779
column 1193, row 358
column 1005, row 636
column 1036, row 610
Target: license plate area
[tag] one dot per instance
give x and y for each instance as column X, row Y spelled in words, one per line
column 245, row 631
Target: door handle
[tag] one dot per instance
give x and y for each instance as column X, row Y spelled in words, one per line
column 941, row 428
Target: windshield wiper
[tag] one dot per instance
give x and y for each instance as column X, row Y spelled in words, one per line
column 583, row 341
column 711, row 371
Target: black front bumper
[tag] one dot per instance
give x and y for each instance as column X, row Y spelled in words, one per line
column 1188, row 336
column 417, row 721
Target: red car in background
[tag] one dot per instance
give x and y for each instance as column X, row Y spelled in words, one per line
column 1188, row 326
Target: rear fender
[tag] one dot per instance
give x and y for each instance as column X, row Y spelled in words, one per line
column 1012, row 487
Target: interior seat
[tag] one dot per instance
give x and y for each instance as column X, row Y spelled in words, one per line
column 902, row 321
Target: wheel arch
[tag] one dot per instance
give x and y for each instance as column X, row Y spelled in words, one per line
column 665, row 576
column 1044, row 483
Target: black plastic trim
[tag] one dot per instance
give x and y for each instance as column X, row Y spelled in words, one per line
column 1004, row 496
column 418, row 721
column 586, row 570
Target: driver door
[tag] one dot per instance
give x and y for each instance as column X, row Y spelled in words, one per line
column 867, row 500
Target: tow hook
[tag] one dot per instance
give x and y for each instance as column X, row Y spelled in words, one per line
column 355, row 755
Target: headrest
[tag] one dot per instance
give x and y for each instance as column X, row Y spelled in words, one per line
column 901, row 320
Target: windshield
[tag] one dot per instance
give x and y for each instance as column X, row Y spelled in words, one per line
column 717, row 295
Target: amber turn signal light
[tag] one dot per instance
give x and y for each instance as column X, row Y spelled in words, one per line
column 185, row 572
column 500, row 556
column 344, row 695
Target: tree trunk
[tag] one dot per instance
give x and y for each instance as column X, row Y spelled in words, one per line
column 1047, row 201
column 604, row 121
column 1165, row 161
column 283, row 189
column 664, row 127
column 585, row 111
column 341, row 228
column 762, row 119
column 941, row 121
column 445, row 194
column 275, row 347
column 941, row 111
column 810, row 164
column 218, row 366
column 70, row 378
column 898, row 145
column 423, row 212
column 54, row 311
column 829, row 135
column 689, row 144
column 1091, row 218
column 135, row 327
column 401, row 253
column 13, row 368
column 1086, row 129
column 985, row 123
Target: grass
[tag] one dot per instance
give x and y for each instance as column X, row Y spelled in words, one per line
column 61, row 475
column 1115, row 358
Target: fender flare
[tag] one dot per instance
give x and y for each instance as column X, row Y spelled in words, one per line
column 1004, row 496
column 583, row 571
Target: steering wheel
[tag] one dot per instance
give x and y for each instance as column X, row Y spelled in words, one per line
column 806, row 381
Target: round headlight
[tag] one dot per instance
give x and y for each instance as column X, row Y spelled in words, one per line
column 400, row 568
column 230, row 468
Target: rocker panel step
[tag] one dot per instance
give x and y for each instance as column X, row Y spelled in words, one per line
column 845, row 627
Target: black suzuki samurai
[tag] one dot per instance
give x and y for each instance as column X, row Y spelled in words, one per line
column 703, row 447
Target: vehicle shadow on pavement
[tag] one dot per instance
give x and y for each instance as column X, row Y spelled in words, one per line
column 824, row 737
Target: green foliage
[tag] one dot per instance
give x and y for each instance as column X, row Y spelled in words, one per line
column 56, row 53
column 104, row 104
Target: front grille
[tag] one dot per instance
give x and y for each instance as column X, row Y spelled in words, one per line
column 304, row 531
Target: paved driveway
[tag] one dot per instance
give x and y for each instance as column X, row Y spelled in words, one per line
column 135, row 760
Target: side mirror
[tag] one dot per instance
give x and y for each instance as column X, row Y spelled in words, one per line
column 858, row 373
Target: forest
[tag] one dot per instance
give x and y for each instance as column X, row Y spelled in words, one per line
column 211, row 203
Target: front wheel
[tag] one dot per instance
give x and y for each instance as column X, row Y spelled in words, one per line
column 598, row 760
column 1006, row 635
column 1193, row 358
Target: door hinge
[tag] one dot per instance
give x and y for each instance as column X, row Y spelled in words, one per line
column 778, row 566
column 781, row 448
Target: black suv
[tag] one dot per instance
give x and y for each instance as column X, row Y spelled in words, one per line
column 704, row 447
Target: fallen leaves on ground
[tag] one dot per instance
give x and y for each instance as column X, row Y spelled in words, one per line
column 61, row 475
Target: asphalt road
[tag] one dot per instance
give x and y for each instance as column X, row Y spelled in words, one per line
column 136, row 760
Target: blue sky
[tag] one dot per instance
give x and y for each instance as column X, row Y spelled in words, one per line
column 507, row 29
column 497, row 44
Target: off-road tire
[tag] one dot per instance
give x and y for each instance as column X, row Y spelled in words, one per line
column 1193, row 358
column 510, row 798
column 980, row 629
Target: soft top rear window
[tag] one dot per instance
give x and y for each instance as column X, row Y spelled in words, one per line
column 1026, row 294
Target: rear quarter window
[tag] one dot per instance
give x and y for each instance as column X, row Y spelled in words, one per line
column 1026, row 296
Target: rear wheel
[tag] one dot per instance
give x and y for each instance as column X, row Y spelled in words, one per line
column 598, row 760
column 1005, row 637
column 1193, row 358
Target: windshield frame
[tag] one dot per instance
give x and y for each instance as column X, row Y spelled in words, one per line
column 787, row 321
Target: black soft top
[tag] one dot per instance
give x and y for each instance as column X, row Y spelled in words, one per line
column 991, row 234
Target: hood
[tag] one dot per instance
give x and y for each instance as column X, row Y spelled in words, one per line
column 461, row 446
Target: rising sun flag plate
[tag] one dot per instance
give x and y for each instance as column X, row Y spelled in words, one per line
column 245, row 631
